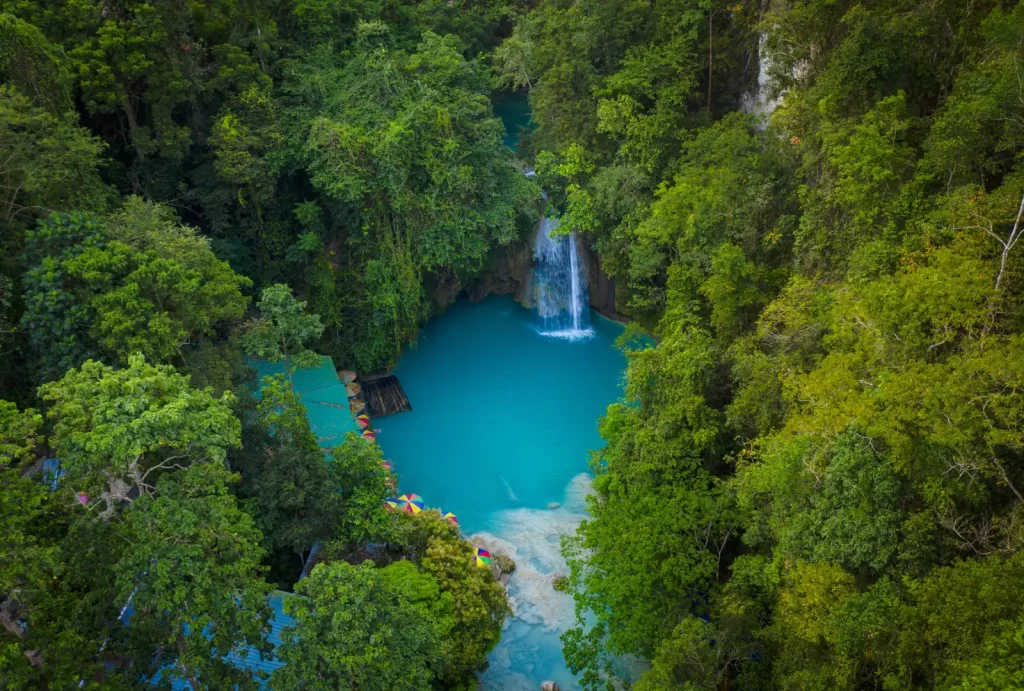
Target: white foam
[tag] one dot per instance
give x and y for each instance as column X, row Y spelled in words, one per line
column 533, row 539
column 569, row 334
column 529, row 650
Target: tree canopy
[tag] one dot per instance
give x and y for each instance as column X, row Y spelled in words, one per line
column 815, row 475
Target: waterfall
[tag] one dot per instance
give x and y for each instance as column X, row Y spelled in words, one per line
column 761, row 102
column 560, row 285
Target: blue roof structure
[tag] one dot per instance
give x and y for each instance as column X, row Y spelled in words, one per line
column 324, row 396
column 327, row 409
column 251, row 660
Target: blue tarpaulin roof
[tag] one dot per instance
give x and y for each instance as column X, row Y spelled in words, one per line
column 251, row 660
column 326, row 402
column 324, row 396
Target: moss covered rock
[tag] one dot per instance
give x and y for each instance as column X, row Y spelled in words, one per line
column 504, row 563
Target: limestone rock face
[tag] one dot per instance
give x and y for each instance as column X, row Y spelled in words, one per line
column 549, row 686
column 600, row 288
column 507, row 275
column 445, row 291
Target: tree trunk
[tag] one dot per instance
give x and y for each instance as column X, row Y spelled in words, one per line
column 133, row 126
column 711, row 55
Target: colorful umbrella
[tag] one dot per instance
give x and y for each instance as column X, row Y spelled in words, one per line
column 363, row 421
column 353, row 389
column 391, row 503
column 369, row 436
column 347, row 376
column 410, row 503
column 483, row 557
column 451, row 518
column 83, row 498
column 356, row 406
column 386, row 464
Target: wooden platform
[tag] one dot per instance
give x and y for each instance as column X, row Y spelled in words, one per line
column 384, row 395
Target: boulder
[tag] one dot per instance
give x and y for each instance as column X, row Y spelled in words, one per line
column 504, row 563
column 560, row 582
column 549, row 686
column 554, row 505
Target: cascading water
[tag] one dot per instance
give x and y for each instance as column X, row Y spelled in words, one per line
column 763, row 100
column 560, row 285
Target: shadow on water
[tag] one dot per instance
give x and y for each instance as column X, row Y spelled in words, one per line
column 513, row 108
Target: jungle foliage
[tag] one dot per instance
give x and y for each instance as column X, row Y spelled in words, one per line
column 815, row 480
column 183, row 186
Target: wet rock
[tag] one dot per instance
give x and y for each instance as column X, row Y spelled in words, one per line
column 549, row 686
column 507, row 273
column 504, row 563
column 445, row 290
column 554, row 505
column 560, row 582
column 600, row 287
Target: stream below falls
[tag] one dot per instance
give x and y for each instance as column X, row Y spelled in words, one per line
column 503, row 421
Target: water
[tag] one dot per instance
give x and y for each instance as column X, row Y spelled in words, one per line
column 560, row 285
column 761, row 102
column 514, row 111
column 502, row 423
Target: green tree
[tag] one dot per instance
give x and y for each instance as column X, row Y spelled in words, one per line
column 364, row 627
column 358, row 467
column 155, row 285
column 283, row 330
column 117, row 431
column 140, row 282
column 480, row 604
column 51, row 163
column 294, row 494
column 402, row 141
column 193, row 576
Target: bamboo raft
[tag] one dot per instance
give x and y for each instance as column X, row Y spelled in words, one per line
column 384, row 395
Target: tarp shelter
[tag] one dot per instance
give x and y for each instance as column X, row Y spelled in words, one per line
column 52, row 472
column 323, row 395
column 251, row 660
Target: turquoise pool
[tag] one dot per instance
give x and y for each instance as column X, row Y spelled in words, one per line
column 502, row 424
column 514, row 111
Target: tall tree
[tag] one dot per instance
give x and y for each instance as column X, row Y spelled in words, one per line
column 193, row 576
column 283, row 330
column 117, row 431
column 364, row 627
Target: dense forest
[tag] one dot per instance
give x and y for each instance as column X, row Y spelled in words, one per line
column 813, row 481
column 184, row 185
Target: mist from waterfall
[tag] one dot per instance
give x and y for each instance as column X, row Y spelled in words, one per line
column 560, row 284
